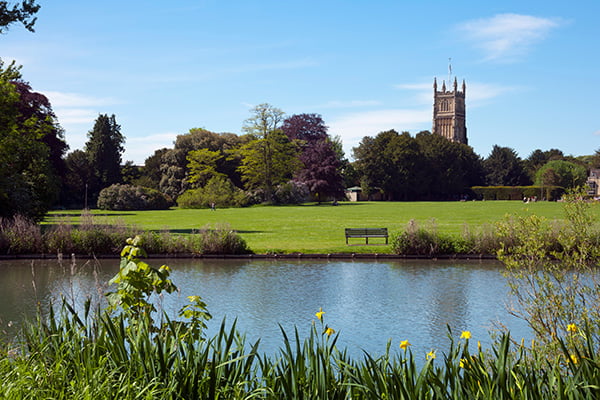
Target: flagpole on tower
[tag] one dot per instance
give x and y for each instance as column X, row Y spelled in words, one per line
column 449, row 71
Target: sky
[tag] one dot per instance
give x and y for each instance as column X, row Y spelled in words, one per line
column 164, row 68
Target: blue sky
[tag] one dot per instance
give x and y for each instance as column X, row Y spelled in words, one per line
column 531, row 67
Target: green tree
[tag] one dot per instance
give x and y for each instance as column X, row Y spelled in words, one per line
column 270, row 158
column 202, row 165
column 451, row 168
column 561, row 173
column 23, row 13
column 150, row 171
column 79, row 176
column 503, row 167
column 29, row 182
column 174, row 164
column 104, row 148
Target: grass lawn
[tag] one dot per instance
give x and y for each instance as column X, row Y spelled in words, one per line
column 312, row 228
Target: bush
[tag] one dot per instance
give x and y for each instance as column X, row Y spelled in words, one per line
column 222, row 240
column 291, row 192
column 219, row 191
column 419, row 241
column 128, row 197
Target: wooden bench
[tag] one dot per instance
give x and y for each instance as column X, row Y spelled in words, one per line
column 367, row 233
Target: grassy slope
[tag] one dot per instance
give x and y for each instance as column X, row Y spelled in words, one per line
column 320, row 228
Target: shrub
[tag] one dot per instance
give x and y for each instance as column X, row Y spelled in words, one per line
column 419, row 241
column 222, row 240
column 128, row 197
column 291, row 192
column 20, row 235
column 219, row 190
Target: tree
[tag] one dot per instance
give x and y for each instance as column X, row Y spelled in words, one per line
column 538, row 158
column 150, row 172
column 80, row 173
column 104, row 148
column 561, row 173
column 202, row 165
column 308, row 128
column 23, row 13
column 174, row 166
column 503, row 167
column 321, row 160
column 270, row 157
column 392, row 163
column 30, row 139
column 451, row 167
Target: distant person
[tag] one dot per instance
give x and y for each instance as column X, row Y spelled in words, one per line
column 212, row 206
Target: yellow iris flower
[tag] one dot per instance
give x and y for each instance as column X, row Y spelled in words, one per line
column 320, row 313
column 430, row 355
column 404, row 344
column 572, row 328
column 329, row 331
column 465, row 335
column 574, row 359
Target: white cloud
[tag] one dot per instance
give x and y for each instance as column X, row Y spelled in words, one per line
column 507, row 37
column 137, row 149
column 64, row 100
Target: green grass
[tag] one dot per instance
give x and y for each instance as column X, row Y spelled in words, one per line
column 312, row 228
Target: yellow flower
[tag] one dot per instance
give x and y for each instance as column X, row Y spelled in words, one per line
column 329, row 331
column 465, row 335
column 574, row 359
column 404, row 344
column 430, row 355
column 462, row 363
column 193, row 299
column 320, row 314
column 572, row 328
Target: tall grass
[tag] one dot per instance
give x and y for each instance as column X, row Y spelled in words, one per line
column 92, row 236
column 101, row 356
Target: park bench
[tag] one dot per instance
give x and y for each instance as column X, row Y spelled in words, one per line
column 367, row 233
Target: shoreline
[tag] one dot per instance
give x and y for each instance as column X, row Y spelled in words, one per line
column 287, row 256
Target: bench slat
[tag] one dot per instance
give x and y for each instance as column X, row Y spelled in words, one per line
column 367, row 233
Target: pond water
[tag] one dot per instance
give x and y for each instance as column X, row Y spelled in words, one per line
column 366, row 302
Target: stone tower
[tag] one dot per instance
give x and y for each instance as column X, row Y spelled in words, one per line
column 449, row 112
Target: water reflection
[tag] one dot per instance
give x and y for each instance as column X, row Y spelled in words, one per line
column 368, row 302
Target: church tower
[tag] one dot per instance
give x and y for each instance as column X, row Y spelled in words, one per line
column 449, row 112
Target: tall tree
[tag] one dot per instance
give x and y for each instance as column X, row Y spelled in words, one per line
column 320, row 158
column 23, row 13
column 538, row 158
column 270, row 158
column 561, row 173
column 29, row 184
column 451, row 167
column 104, row 148
column 503, row 167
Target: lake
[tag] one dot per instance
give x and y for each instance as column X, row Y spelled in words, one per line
column 366, row 302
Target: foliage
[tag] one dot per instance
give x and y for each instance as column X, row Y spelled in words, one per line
column 548, row 192
column 104, row 356
column 202, row 166
column 419, row 241
column 321, row 160
column 129, row 197
column 218, row 191
column 538, row 158
column 503, row 167
column 561, row 173
column 103, row 149
column 23, row 13
column 291, row 192
column 94, row 236
column 174, row 163
column 222, row 240
column 136, row 281
column 269, row 158
column 555, row 283
column 31, row 146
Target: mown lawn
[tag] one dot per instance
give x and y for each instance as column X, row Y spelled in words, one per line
column 313, row 228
